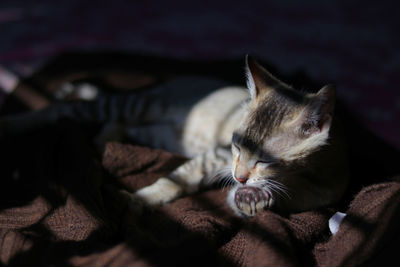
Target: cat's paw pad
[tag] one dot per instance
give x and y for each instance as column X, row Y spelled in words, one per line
column 249, row 200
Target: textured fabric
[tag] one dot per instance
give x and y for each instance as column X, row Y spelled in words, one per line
column 79, row 221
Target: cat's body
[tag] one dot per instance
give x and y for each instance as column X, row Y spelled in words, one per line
column 282, row 155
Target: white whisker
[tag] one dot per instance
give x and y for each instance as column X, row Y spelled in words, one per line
column 223, row 178
column 274, row 186
column 279, row 188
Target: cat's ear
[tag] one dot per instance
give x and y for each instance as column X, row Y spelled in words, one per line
column 319, row 111
column 259, row 80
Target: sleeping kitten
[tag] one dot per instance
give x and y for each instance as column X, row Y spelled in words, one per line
column 273, row 143
column 284, row 153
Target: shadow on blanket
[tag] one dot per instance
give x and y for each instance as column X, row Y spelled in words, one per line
column 59, row 202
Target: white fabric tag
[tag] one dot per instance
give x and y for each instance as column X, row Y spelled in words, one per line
column 335, row 221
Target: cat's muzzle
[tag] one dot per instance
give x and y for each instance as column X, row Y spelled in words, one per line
column 250, row 199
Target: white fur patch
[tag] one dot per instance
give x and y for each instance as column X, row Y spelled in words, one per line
column 162, row 191
column 212, row 120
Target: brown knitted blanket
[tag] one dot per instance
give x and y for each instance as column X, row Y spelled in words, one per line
column 60, row 204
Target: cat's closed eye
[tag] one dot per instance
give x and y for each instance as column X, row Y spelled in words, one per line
column 235, row 148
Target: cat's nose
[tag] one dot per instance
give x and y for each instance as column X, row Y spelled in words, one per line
column 241, row 179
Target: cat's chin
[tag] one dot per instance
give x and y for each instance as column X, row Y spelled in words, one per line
column 247, row 201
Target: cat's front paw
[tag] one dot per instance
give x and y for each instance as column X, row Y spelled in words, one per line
column 249, row 200
column 161, row 192
column 157, row 194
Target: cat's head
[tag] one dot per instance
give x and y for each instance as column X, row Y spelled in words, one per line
column 281, row 126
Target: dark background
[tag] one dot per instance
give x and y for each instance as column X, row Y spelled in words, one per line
column 353, row 44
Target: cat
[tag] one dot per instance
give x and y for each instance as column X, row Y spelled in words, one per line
column 278, row 148
column 284, row 154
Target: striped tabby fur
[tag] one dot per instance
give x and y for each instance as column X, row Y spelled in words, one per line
column 276, row 146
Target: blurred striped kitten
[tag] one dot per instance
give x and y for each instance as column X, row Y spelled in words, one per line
column 275, row 146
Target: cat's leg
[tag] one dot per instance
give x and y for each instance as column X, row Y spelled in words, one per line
column 249, row 200
column 187, row 178
column 118, row 108
column 80, row 111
